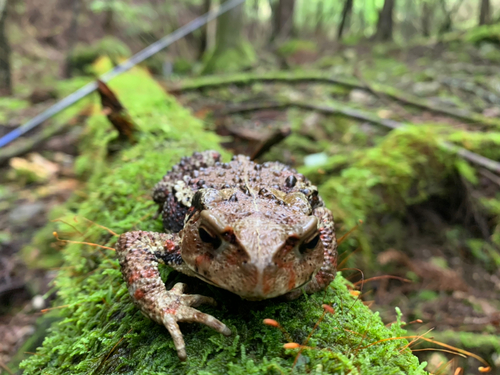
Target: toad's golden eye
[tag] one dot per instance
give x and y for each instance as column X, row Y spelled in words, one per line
column 206, row 237
column 309, row 245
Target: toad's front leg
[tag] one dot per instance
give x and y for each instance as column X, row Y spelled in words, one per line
column 328, row 269
column 139, row 254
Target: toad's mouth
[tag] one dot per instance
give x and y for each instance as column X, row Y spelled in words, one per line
column 208, row 281
column 256, row 293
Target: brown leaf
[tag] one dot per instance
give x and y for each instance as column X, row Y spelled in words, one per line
column 115, row 112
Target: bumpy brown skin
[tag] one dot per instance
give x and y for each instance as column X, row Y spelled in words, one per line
column 259, row 231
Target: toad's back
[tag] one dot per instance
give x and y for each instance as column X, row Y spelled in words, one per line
column 174, row 193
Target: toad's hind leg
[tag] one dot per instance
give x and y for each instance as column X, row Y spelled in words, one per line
column 186, row 167
column 174, row 192
column 139, row 254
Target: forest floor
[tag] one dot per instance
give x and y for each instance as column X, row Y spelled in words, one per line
column 444, row 243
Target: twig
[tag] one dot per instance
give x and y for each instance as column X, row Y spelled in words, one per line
column 491, row 176
column 471, row 88
column 275, row 138
column 321, row 77
column 399, row 109
column 474, row 158
column 341, row 109
column 4, row 366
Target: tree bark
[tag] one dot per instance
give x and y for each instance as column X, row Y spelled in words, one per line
column 109, row 19
column 283, row 19
column 204, row 30
column 447, row 23
column 5, row 71
column 346, row 14
column 385, row 22
column 484, row 12
column 229, row 29
column 319, row 18
column 72, row 37
column 426, row 18
column 232, row 51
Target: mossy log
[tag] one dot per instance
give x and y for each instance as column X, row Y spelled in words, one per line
column 100, row 331
column 322, row 77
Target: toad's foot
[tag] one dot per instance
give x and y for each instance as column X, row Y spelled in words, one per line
column 139, row 254
column 178, row 307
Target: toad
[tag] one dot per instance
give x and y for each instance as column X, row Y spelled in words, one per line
column 258, row 230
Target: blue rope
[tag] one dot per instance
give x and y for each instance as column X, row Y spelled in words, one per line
column 123, row 67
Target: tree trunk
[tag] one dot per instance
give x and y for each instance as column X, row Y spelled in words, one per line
column 283, row 19
column 426, row 19
column 109, row 19
column 346, row 14
column 484, row 12
column 447, row 24
column 253, row 31
column 229, row 28
column 385, row 22
column 204, row 30
column 5, row 74
column 319, row 18
column 232, row 51
column 72, row 37
column 407, row 25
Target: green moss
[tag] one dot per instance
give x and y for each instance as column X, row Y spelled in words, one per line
column 13, row 103
column 485, row 33
column 101, row 332
column 294, row 46
column 84, row 55
column 182, row 66
column 9, row 105
column 230, row 60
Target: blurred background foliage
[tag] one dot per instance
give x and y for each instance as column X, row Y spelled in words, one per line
column 322, row 75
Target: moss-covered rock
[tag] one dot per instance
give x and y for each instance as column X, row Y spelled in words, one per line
column 100, row 331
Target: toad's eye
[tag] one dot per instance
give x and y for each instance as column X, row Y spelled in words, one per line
column 309, row 245
column 206, row 237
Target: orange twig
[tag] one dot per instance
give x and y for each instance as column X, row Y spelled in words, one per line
column 342, row 239
column 439, row 350
column 82, row 242
column 383, row 277
column 458, row 350
column 68, row 224
column 4, row 366
column 344, row 261
column 101, row 226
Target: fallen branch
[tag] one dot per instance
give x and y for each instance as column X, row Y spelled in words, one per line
column 471, row 88
column 27, row 144
column 321, row 77
column 275, row 138
column 341, row 109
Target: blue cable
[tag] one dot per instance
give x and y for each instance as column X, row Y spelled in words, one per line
column 123, row 67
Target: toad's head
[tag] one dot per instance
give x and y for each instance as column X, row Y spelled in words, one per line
column 257, row 244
